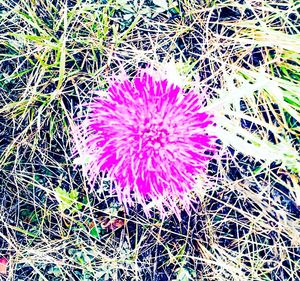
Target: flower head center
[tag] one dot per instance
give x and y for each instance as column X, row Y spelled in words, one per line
column 154, row 134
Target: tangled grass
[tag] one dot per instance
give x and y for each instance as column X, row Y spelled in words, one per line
column 245, row 224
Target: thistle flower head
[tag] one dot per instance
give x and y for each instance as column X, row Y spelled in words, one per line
column 150, row 137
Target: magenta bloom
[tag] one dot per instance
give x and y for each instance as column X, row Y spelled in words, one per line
column 150, row 137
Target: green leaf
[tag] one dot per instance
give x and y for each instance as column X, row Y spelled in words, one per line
column 257, row 170
column 96, row 231
column 56, row 271
column 67, row 199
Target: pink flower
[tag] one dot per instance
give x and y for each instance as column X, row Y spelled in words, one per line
column 3, row 265
column 150, row 137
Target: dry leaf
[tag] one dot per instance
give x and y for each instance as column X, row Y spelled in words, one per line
column 112, row 224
